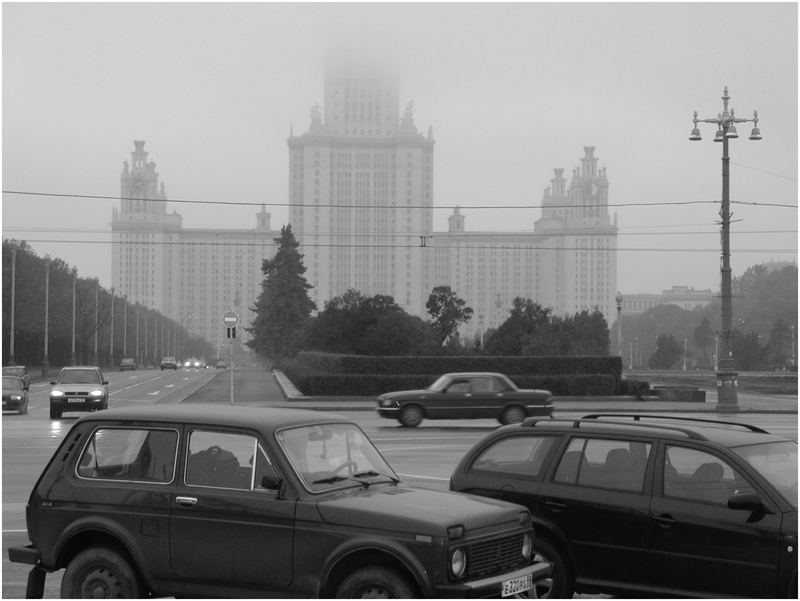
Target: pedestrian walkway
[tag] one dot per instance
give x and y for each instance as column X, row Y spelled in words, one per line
column 262, row 387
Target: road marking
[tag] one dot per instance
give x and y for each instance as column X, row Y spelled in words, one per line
column 154, row 393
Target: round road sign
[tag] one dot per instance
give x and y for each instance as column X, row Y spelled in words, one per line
column 230, row 319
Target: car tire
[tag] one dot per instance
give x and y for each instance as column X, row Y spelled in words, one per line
column 55, row 413
column 560, row 584
column 375, row 582
column 410, row 416
column 100, row 571
column 23, row 409
column 512, row 415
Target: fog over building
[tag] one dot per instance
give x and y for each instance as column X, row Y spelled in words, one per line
column 361, row 201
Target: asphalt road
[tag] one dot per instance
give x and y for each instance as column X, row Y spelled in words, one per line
column 423, row 456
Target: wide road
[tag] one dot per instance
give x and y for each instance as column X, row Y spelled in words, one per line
column 423, row 456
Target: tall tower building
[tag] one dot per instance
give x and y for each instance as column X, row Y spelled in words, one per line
column 193, row 276
column 361, row 191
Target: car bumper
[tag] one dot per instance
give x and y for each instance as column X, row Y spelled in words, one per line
column 493, row 586
column 9, row 404
column 81, row 404
column 391, row 412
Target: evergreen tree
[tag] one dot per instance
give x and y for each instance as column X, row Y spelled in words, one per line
column 448, row 311
column 704, row 336
column 283, row 307
column 668, row 351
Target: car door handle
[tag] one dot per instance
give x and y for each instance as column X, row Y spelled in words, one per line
column 186, row 501
column 556, row 506
column 665, row 520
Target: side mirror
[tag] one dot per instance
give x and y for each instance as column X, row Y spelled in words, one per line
column 747, row 501
column 270, row 482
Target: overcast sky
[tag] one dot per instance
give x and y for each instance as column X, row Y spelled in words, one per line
column 512, row 91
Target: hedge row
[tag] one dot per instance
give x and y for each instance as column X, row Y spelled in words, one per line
column 313, row 382
column 330, row 363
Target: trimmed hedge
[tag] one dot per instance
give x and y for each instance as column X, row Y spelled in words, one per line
column 315, row 382
column 544, row 366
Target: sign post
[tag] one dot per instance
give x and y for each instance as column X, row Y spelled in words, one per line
column 230, row 320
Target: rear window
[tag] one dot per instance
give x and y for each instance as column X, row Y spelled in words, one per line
column 130, row 454
column 522, row 455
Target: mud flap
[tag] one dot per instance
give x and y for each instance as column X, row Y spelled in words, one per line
column 35, row 588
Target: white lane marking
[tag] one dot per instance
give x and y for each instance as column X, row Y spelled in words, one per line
column 154, row 393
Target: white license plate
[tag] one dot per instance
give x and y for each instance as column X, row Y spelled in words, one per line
column 517, row 585
column 74, row 400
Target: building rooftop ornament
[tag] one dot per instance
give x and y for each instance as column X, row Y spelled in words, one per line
column 316, row 120
column 407, row 120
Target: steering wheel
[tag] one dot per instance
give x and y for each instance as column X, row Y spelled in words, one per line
column 352, row 464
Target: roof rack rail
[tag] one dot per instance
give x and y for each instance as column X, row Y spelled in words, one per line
column 591, row 421
column 637, row 417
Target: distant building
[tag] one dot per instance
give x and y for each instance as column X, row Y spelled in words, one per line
column 361, row 197
column 684, row 297
column 192, row 276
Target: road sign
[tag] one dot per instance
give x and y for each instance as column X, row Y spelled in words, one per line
column 230, row 319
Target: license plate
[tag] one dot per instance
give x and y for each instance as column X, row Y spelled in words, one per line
column 517, row 585
column 74, row 400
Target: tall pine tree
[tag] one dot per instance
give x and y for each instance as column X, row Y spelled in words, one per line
column 283, row 307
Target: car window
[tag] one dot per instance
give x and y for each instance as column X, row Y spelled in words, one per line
column 515, row 455
column 604, row 463
column 483, row 384
column 777, row 462
column 12, row 383
column 79, row 376
column 129, row 454
column 459, row 386
column 695, row 475
column 226, row 460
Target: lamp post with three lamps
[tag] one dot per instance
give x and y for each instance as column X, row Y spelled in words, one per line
column 726, row 121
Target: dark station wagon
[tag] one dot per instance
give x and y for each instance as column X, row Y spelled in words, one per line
column 469, row 395
column 221, row 501
column 648, row 505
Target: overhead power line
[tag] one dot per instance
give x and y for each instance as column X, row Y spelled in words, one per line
column 391, row 206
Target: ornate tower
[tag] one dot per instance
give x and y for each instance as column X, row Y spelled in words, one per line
column 139, row 188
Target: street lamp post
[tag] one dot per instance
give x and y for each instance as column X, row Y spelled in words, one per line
column 13, row 301
column 73, row 359
column 111, row 349
column 125, row 326
column 619, row 299
column 138, row 358
column 46, row 361
column 726, row 130
column 96, row 295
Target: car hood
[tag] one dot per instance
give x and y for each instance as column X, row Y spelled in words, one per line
column 421, row 511
column 77, row 387
column 407, row 394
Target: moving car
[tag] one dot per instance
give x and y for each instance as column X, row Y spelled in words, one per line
column 230, row 501
column 78, row 388
column 470, row 395
column 169, row 363
column 648, row 505
column 20, row 371
column 128, row 363
column 221, row 364
column 15, row 395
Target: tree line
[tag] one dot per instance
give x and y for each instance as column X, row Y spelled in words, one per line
column 139, row 332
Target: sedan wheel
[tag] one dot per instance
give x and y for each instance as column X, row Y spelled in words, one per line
column 512, row 415
column 411, row 416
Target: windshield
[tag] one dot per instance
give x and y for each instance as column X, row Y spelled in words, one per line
column 79, row 376
column 440, row 383
column 777, row 462
column 327, row 456
column 12, row 384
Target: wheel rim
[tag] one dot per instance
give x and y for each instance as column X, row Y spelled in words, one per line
column 374, row 591
column 101, row 583
column 543, row 589
column 412, row 415
column 514, row 415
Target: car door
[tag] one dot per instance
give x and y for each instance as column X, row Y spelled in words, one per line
column 225, row 528
column 487, row 397
column 453, row 402
column 698, row 544
column 596, row 497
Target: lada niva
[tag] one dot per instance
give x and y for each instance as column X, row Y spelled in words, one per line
column 221, row 501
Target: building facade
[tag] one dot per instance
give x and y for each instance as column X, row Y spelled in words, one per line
column 193, row 276
column 685, row 297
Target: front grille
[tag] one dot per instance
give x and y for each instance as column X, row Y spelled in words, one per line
column 495, row 556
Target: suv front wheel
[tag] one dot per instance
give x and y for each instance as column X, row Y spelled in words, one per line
column 100, row 572
column 373, row 582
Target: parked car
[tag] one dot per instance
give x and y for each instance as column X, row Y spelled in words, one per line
column 15, row 395
column 221, row 364
column 169, row 363
column 471, row 395
column 78, row 388
column 221, row 501
column 128, row 363
column 648, row 505
column 20, row 371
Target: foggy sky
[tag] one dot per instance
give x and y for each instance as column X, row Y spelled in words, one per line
column 511, row 91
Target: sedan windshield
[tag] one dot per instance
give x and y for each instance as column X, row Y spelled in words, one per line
column 79, row 376
column 12, row 384
column 777, row 462
column 327, row 456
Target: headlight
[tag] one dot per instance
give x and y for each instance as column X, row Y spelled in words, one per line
column 16, row 397
column 458, row 563
column 96, row 393
column 527, row 546
column 56, row 393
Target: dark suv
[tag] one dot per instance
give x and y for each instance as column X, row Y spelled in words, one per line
column 221, row 501
column 648, row 505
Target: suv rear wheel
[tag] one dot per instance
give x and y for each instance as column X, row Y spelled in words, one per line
column 559, row 585
column 100, row 572
column 375, row 583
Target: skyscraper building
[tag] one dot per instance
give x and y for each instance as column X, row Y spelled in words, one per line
column 192, row 276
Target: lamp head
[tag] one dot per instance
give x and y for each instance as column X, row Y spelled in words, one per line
column 719, row 137
column 731, row 132
column 755, row 134
column 695, row 135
